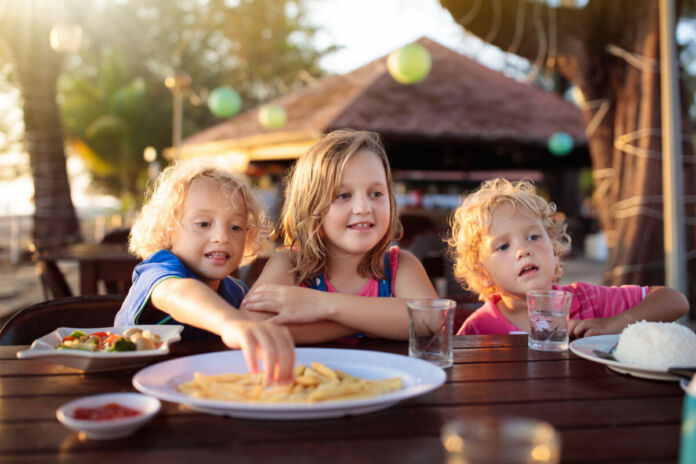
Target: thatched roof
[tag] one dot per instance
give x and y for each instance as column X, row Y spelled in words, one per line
column 460, row 106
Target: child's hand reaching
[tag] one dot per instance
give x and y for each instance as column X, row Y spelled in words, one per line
column 292, row 305
column 262, row 340
column 600, row 326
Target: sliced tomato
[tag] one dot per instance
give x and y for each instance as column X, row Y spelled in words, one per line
column 111, row 339
column 68, row 338
column 101, row 335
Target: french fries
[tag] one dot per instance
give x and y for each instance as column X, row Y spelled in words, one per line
column 312, row 384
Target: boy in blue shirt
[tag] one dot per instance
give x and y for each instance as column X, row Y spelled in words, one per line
column 199, row 224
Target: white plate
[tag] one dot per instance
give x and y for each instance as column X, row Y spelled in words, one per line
column 44, row 349
column 419, row 377
column 112, row 428
column 584, row 347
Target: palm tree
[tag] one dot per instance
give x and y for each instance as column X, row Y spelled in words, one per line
column 25, row 26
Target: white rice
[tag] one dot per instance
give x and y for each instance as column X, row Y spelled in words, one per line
column 657, row 345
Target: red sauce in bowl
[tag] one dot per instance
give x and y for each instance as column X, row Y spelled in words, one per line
column 107, row 412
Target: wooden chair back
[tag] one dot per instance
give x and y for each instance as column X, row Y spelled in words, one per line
column 53, row 281
column 117, row 283
column 39, row 319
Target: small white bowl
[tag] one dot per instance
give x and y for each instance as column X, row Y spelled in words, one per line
column 110, row 428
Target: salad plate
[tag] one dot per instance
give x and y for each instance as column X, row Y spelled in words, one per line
column 44, row 349
column 589, row 346
column 419, row 377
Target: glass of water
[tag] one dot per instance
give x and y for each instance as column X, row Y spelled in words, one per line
column 548, row 319
column 430, row 330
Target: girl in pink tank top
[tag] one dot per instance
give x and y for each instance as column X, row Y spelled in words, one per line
column 507, row 240
column 338, row 221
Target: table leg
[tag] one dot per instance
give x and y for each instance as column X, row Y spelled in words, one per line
column 88, row 278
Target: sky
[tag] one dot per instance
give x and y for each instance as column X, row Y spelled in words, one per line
column 363, row 37
column 389, row 25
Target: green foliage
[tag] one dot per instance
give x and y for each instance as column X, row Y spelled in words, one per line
column 113, row 97
column 112, row 115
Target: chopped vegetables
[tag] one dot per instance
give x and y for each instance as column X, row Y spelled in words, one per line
column 132, row 339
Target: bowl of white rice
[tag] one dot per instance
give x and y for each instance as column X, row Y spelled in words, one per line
column 657, row 345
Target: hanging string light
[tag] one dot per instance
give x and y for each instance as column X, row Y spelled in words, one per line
column 224, row 102
column 409, row 64
column 272, row 116
column 560, row 144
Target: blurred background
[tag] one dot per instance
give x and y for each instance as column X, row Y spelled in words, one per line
column 97, row 96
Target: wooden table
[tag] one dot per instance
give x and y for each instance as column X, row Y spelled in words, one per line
column 106, row 261
column 602, row 416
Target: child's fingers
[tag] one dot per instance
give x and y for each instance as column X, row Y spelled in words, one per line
column 278, row 353
column 572, row 328
column 260, row 301
column 269, row 352
column 571, row 325
column 579, row 329
column 263, row 306
column 248, row 346
column 286, row 356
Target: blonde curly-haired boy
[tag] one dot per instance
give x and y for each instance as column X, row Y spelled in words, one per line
column 199, row 223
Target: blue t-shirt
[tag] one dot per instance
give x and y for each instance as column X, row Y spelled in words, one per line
column 137, row 308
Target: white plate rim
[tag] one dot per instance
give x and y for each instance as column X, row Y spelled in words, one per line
column 173, row 371
column 583, row 347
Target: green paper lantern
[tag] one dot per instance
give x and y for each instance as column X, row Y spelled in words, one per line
column 409, row 64
column 272, row 116
column 560, row 144
column 224, row 102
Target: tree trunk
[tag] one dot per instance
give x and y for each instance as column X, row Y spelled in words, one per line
column 610, row 51
column 26, row 30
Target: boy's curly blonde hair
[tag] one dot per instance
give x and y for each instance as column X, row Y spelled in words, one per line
column 472, row 220
column 311, row 187
column 161, row 214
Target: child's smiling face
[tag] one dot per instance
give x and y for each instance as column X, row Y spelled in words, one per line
column 211, row 236
column 517, row 253
column 359, row 215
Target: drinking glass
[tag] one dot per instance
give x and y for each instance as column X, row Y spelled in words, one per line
column 430, row 330
column 548, row 319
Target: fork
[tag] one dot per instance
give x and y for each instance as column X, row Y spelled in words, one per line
column 606, row 354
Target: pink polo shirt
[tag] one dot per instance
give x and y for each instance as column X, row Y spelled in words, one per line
column 589, row 302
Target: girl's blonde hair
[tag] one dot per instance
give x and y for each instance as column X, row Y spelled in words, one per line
column 472, row 220
column 161, row 214
column 311, row 187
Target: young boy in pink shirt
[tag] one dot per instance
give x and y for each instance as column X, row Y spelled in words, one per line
column 506, row 240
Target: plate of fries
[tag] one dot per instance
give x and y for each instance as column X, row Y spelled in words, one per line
column 328, row 383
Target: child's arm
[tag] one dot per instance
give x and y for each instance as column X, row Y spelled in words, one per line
column 192, row 302
column 276, row 274
column 660, row 304
column 381, row 317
